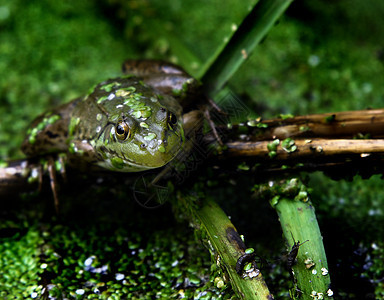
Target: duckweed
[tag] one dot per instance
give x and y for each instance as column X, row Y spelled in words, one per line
column 92, row 263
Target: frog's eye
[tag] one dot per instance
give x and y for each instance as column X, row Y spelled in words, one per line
column 122, row 131
column 172, row 119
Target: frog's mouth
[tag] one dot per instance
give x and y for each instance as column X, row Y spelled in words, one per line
column 140, row 154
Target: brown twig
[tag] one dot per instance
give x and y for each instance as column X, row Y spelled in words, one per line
column 312, row 148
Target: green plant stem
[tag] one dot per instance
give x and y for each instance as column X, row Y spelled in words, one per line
column 229, row 247
column 249, row 34
column 299, row 224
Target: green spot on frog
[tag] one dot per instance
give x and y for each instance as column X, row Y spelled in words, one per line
column 48, row 120
column 114, row 118
column 150, row 136
column 117, row 162
column 32, row 135
column 161, row 149
column 122, row 93
column 127, row 92
column 90, row 91
column 111, row 135
column 53, row 119
column 130, row 89
column 41, row 126
column 130, row 102
column 138, row 106
column 102, row 99
column 72, row 125
column 110, row 86
column 145, row 113
column 72, row 148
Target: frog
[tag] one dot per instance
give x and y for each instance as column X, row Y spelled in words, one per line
column 135, row 122
column 139, row 121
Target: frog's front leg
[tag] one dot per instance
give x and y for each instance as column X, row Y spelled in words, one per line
column 82, row 155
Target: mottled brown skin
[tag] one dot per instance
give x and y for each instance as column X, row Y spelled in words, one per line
column 49, row 135
column 168, row 79
column 87, row 131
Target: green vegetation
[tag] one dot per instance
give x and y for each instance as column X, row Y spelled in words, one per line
column 306, row 256
column 322, row 56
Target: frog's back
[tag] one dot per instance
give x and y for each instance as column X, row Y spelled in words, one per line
column 146, row 106
column 48, row 133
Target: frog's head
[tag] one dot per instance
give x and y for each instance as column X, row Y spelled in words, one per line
column 140, row 128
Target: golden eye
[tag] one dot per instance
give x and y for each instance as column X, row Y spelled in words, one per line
column 122, row 131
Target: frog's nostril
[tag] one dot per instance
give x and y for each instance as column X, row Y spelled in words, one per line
column 172, row 119
column 162, row 115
